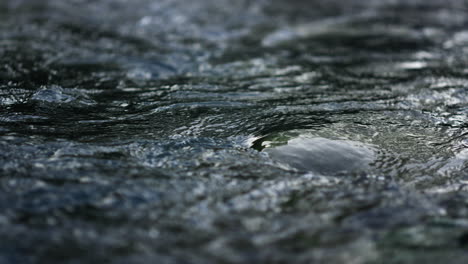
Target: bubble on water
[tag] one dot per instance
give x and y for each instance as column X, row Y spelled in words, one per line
column 324, row 156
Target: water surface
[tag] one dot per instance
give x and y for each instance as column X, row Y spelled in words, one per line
column 233, row 131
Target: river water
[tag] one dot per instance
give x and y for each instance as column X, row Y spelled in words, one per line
column 218, row 131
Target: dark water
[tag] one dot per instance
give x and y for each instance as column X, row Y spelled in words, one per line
column 219, row 131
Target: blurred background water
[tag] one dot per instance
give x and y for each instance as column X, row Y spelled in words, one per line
column 218, row 131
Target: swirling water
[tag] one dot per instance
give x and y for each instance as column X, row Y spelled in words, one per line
column 218, row 131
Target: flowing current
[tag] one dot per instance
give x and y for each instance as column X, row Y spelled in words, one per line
column 218, row 131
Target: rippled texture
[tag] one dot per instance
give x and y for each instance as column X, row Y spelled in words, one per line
column 218, row 131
